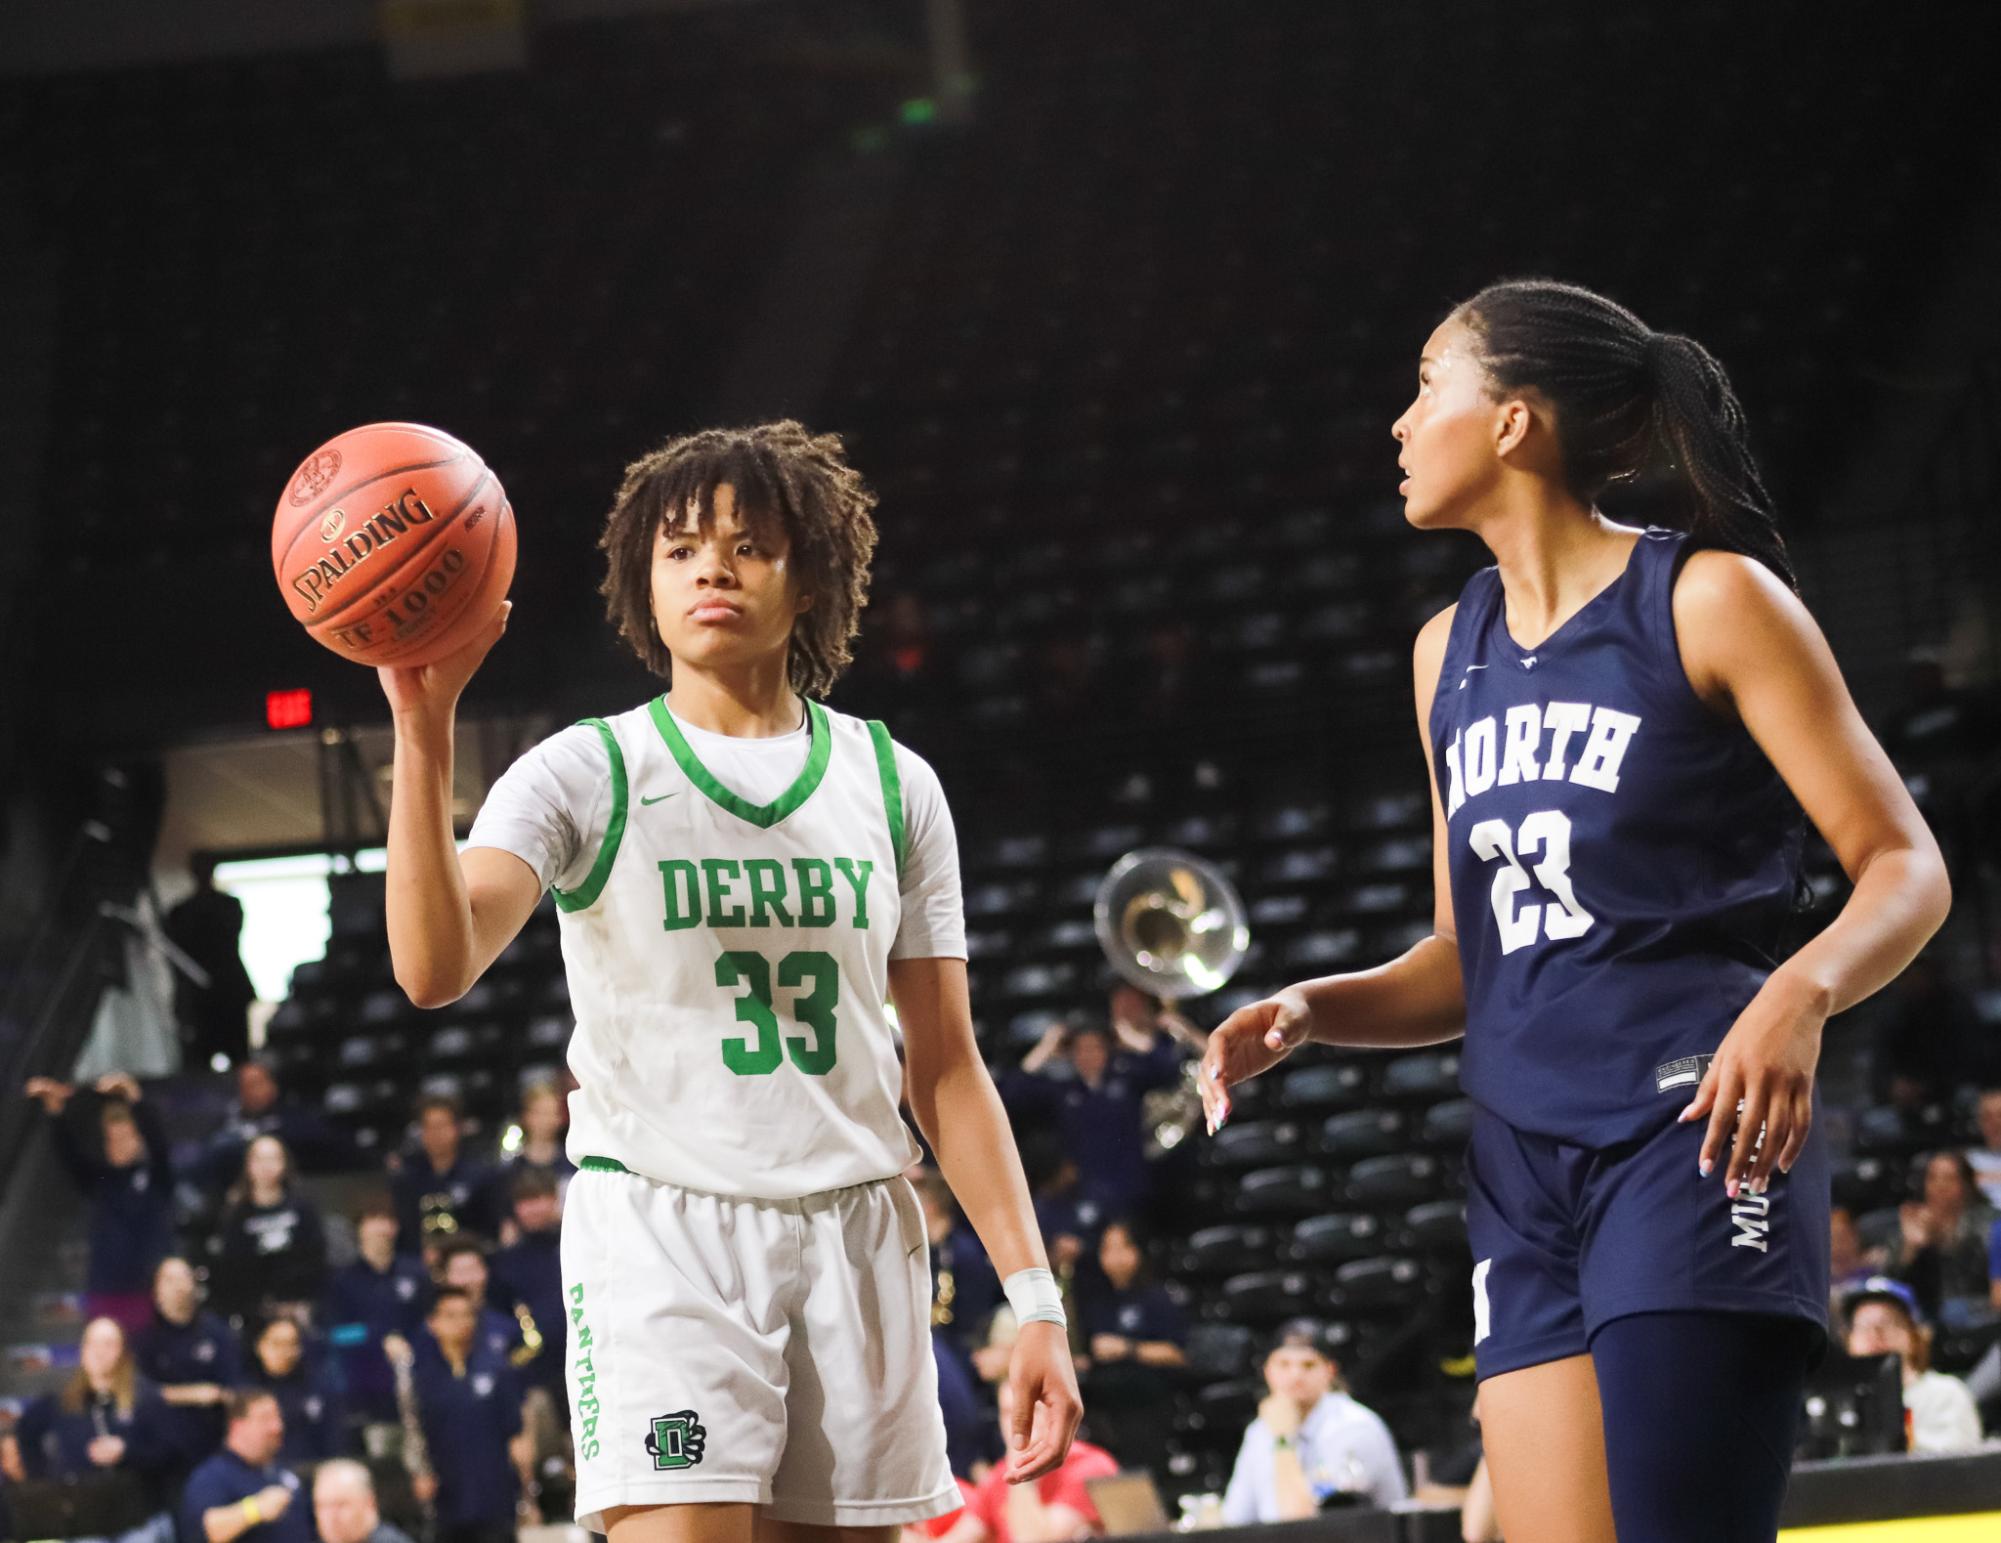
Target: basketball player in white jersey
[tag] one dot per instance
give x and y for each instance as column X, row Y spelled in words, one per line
column 742, row 877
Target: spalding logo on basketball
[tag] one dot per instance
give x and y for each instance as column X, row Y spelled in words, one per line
column 401, row 548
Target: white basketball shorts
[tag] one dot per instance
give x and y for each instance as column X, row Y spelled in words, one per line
column 775, row 1352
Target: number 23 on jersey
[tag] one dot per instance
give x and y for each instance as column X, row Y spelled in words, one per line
column 1545, row 837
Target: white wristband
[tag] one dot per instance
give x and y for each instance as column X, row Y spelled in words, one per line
column 1034, row 1296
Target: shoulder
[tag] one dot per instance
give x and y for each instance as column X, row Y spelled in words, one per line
column 1428, row 653
column 1733, row 615
column 1432, row 636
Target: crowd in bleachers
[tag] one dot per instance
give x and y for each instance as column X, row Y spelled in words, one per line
column 1277, row 1322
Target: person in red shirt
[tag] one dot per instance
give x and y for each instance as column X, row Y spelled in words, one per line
column 1054, row 1509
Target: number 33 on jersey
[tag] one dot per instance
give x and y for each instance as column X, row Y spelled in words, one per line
column 728, row 963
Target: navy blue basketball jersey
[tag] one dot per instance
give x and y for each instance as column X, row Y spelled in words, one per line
column 1622, row 858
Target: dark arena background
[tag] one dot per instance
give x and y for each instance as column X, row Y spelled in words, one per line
column 1113, row 302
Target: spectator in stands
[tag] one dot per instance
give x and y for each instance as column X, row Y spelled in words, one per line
column 506, row 1334
column 1134, row 1336
column 1941, row 1248
column 242, row 1493
column 269, row 1250
column 545, row 1121
column 1092, row 1091
column 191, row 1355
column 528, row 1276
column 964, row 1289
column 1310, row 1441
column 1069, row 1218
column 1848, row 1262
column 440, row 1190
column 123, row 1166
column 344, row 1507
column 382, row 1293
column 213, row 1018
column 315, row 1427
column 105, row 1420
column 1053, row 1509
column 1883, row 1317
column 469, row 1400
column 261, row 1109
column 1986, row 1158
column 1129, row 1317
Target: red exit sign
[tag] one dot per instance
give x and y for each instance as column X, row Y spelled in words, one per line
column 288, row 709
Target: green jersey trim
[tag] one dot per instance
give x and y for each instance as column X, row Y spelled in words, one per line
column 603, row 1165
column 586, row 893
column 763, row 816
column 892, row 787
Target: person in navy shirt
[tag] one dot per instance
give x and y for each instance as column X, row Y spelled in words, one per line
column 261, row 1109
column 441, row 1191
column 124, row 1167
column 1133, row 1335
column 1099, row 1105
column 382, row 1293
column 503, row 1329
column 964, row 1288
column 1623, row 728
column 242, row 1493
column 191, row 1355
column 269, row 1249
column 1128, row 1316
column 469, row 1402
column 315, row 1425
column 105, row 1419
column 545, row 1120
column 528, row 1276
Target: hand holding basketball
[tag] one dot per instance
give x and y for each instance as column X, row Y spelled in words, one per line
column 428, row 690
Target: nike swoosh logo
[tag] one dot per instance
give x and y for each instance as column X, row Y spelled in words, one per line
column 657, row 797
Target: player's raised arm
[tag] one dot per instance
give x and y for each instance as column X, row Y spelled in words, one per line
column 1417, row 998
column 449, row 916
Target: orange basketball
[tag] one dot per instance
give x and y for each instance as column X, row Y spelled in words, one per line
column 394, row 544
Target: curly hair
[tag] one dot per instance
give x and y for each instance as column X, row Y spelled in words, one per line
column 782, row 474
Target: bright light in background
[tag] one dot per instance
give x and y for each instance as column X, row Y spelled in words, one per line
column 285, row 919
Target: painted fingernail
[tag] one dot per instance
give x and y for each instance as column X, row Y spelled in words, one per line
column 1704, row 1166
column 1730, row 1189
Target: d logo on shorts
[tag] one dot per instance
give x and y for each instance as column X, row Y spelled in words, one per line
column 676, row 1440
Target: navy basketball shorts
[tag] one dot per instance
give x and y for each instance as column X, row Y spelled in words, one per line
column 1567, row 1238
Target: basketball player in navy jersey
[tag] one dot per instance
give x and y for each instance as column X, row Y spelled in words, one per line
column 1623, row 728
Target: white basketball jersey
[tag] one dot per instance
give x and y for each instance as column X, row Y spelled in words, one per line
column 728, row 964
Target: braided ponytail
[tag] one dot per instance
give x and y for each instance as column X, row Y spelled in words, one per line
column 1700, row 422
column 1624, row 394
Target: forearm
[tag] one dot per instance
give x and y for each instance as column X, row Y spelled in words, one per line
column 961, row 1116
column 1900, row 899
column 1417, row 998
column 1295, row 1496
column 1159, row 1352
column 226, row 1523
column 429, row 916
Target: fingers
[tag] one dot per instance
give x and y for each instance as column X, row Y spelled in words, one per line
column 1705, row 1094
column 1056, row 1418
column 1801, row 1123
column 1288, row 1028
column 1750, row 1138
column 1024, row 1416
column 1724, row 1094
